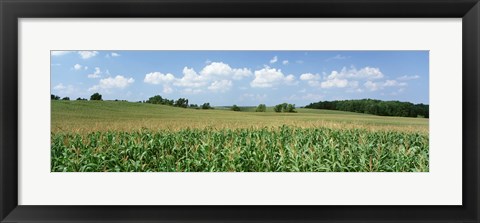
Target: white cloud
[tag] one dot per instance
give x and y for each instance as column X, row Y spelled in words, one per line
column 86, row 68
column 77, row 66
column 343, row 78
column 115, row 54
column 290, row 80
column 285, row 62
column 310, row 76
column 274, row 60
column 117, row 82
column 269, row 77
column 158, row 78
column 87, row 54
column 407, row 78
column 95, row 74
column 62, row 89
column 59, row 87
column 340, row 83
column 167, row 89
column 312, row 79
column 374, row 86
column 59, row 52
column 191, row 79
column 219, row 69
column 220, row 86
column 353, row 73
column 299, row 61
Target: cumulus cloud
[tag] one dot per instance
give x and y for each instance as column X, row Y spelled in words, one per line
column 87, row 54
column 269, row 77
column 95, row 74
column 274, row 60
column 64, row 89
column 191, row 79
column 219, row 69
column 220, row 86
column 374, row 86
column 215, row 76
column 407, row 78
column 158, row 78
column 335, row 82
column 118, row 81
column 285, row 62
column 77, row 66
column 353, row 73
column 312, row 79
column 343, row 78
column 108, row 55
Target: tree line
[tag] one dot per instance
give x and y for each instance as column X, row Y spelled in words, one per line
column 183, row 103
column 375, row 107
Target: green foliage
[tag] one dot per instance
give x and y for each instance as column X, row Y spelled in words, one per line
column 54, row 97
column 96, row 97
column 261, row 108
column 284, row 107
column 81, row 99
column 181, row 102
column 235, row 108
column 277, row 108
column 275, row 149
column 290, row 108
column 375, row 107
column 66, row 99
column 195, row 106
column 157, row 99
column 206, row 106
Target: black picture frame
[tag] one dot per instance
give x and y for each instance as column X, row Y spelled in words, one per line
column 12, row 10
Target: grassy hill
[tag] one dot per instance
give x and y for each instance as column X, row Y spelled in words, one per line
column 88, row 116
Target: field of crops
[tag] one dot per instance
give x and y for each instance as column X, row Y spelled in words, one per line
column 122, row 136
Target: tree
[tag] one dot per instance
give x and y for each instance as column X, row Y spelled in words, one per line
column 157, row 99
column 290, row 108
column 235, row 108
column 54, row 97
column 261, row 108
column 66, row 99
column 181, row 102
column 195, row 106
column 278, row 108
column 375, row 107
column 96, row 97
column 81, row 99
column 206, row 106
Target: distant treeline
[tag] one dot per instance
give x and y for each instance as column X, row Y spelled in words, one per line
column 181, row 102
column 375, row 107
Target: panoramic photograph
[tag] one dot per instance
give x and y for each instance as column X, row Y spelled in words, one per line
column 239, row 111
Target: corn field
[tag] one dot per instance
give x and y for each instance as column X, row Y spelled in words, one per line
column 268, row 149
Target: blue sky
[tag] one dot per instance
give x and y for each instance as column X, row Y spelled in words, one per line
column 242, row 77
